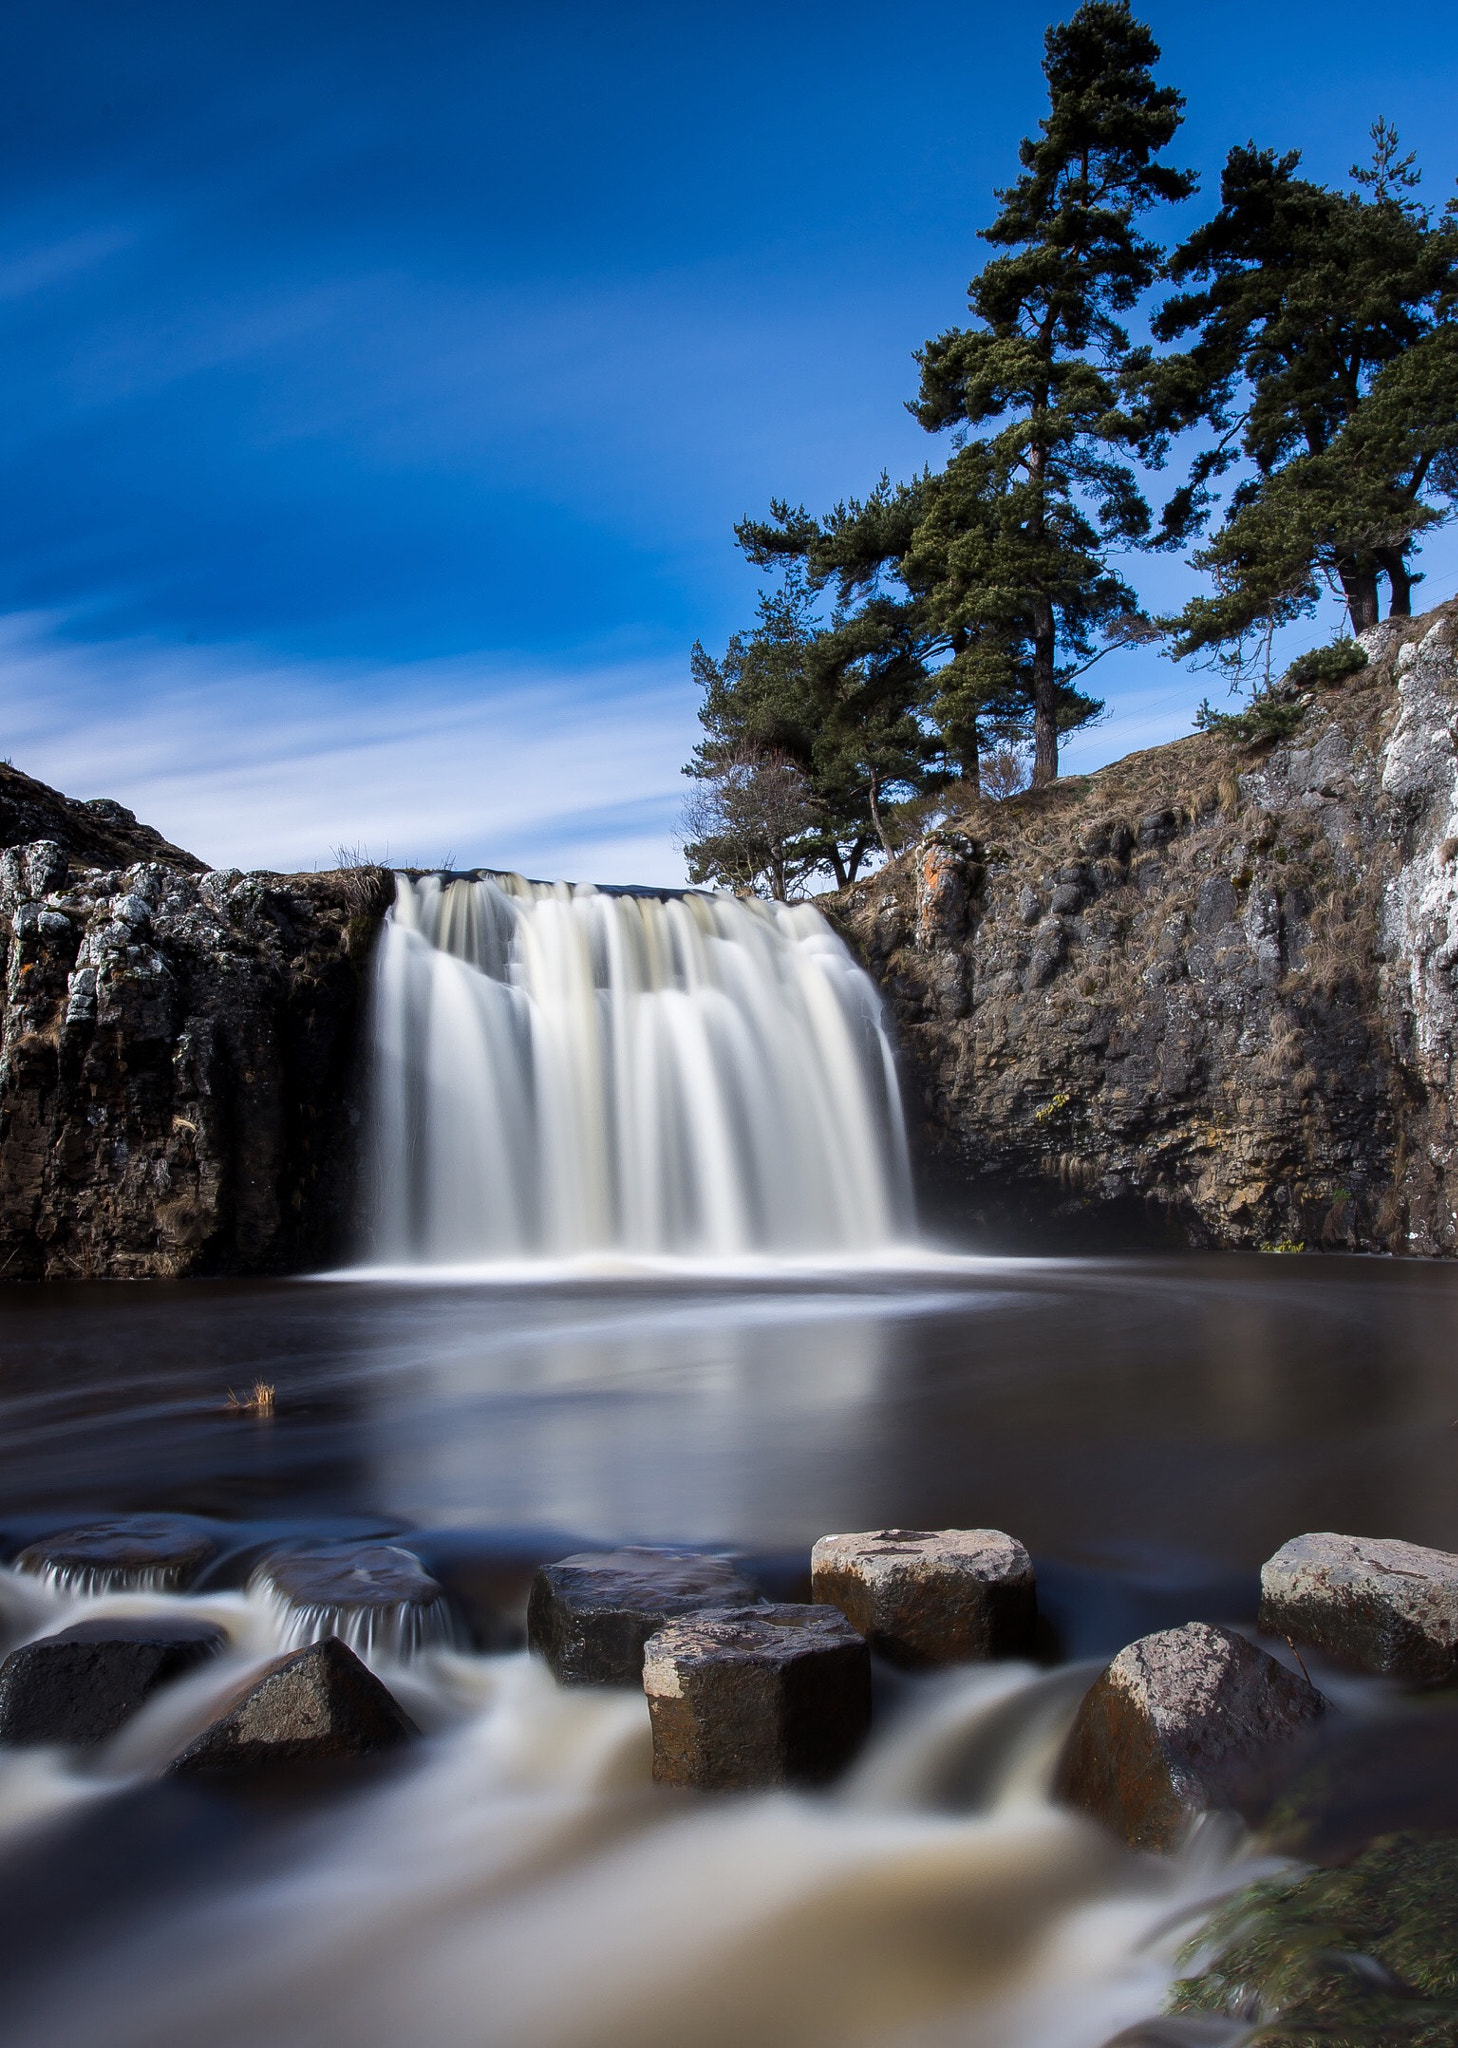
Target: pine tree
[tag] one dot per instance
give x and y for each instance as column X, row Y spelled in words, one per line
column 1012, row 555
column 1326, row 360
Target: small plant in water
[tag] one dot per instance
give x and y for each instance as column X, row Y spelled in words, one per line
column 1284, row 1244
column 258, row 1401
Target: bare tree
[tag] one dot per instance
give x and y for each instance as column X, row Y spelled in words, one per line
column 742, row 820
column 1005, row 772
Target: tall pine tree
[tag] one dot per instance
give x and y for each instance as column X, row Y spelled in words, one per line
column 1325, row 357
column 1013, row 555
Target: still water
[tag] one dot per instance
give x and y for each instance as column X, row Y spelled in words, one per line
column 1151, row 1429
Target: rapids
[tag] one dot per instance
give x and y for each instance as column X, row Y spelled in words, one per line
column 521, row 1882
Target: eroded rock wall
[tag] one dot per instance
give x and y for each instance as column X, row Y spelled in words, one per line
column 1207, row 995
column 179, row 1062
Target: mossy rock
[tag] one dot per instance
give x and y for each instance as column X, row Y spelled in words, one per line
column 1354, row 1957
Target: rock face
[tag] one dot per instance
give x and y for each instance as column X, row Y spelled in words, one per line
column 1382, row 1605
column 316, row 1705
column 79, row 1686
column 748, row 1697
column 924, row 1596
column 1184, row 1722
column 591, row 1614
column 1206, row 995
column 179, row 1074
column 158, row 1553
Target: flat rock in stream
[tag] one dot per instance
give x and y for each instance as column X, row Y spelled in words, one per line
column 315, row 1705
column 79, row 1686
column 373, row 1595
column 931, row 1596
column 746, row 1697
column 131, row 1553
column 1371, row 1601
column 1187, row 1721
column 590, row 1615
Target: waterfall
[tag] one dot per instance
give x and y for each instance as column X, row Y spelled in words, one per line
column 562, row 1071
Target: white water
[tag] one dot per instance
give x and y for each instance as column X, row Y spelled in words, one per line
column 522, row 1883
column 562, row 1072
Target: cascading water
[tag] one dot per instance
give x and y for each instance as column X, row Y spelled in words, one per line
column 562, row 1071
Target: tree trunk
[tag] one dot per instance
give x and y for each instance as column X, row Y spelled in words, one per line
column 1359, row 585
column 886, row 845
column 1045, row 696
column 1399, row 576
column 842, row 879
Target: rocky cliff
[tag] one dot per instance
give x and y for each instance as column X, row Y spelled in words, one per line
column 1206, row 995
column 179, row 1062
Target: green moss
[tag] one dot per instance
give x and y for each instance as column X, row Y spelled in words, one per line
column 1347, row 1958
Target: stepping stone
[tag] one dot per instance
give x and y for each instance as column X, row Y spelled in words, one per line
column 1367, row 1600
column 314, row 1705
column 931, row 1596
column 746, row 1697
column 591, row 1614
column 133, row 1553
column 79, row 1686
column 1188, row 1721
column 374, row 1596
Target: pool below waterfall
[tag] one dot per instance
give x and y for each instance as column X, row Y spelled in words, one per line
column 1150, row 1429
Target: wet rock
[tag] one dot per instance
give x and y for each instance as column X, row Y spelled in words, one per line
column 374, row 1596
column 79, row 1686
column 591, row 1614
column 930, row 1596
column 1374, row 1602
column 314, row 1705
column 155, row 1553
column 746, row 1697
column 1190, row 1720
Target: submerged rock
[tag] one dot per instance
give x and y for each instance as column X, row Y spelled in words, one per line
column 1385, row 1606
column 924, row 1596
column 374, row 1596
column 1187, row 1721
column 590, row 1615
column 748, row 1697
column 314, row 1705
column 155, row 1553
column 79, row 1686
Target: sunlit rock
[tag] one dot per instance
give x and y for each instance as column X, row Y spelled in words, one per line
column 1370, row 1601
column 1188, row 1721
column 314, row 1705
column 590, row 1615
column 930, row 1596
column 79, row 1686
column 754, row 1696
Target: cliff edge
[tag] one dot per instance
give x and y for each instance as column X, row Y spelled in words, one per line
column 1205, row 996
column 179, row 1069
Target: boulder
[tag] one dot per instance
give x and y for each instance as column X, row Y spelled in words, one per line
column 1367, row 1600
column 745, row 1697
column 591, row 1614
column 153, row 1553
column 930, row 1596
column 1187, row 1721
column 314, row 1705
column 79, row 1686
column 374, row 1596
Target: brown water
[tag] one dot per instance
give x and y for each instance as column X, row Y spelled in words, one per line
column 1152, row 1430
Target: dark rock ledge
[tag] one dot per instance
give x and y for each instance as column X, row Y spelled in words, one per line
column 179, row 1051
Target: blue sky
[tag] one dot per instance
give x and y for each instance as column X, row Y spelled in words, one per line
column 382, row 382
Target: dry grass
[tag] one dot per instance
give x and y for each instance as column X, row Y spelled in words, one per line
column 258, row 1401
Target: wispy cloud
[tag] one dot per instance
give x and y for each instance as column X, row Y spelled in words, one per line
column 253, row 761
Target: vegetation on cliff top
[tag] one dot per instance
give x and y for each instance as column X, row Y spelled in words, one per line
column 921, row 641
